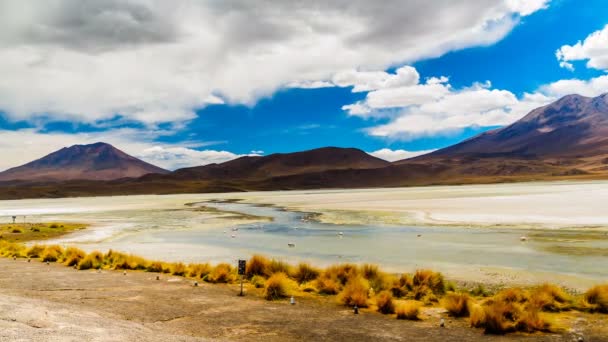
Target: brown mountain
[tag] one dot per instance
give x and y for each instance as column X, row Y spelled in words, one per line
column 281, row 164
column 573, row 130
column 99, row 161
column 567, row 139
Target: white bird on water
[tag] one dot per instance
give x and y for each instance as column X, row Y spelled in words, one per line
column 523, row 238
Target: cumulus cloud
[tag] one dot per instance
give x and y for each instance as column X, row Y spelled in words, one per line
column 594, row 49
column 394, row 155
column 155, row 61
column 179, row 157
column 592, row 87
column 434, row 107
column 22, row 146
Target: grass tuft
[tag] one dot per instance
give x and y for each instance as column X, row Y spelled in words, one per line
column 409, row 309
column 51, row 253
column 457, row 304
column 305, row 273
column 278, row 286
column 355, row 292
column 596, row 299
column 222, row 273
column 93, row 260
column 385, row 303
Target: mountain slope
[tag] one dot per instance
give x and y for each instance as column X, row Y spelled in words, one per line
column 99, row 161
column 283, row 164
column 572, row 127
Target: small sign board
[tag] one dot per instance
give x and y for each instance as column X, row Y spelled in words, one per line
column 242, row 266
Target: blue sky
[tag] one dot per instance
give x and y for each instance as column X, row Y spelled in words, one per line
column 179, row 101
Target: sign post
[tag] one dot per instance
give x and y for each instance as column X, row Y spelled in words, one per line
column 242, row 267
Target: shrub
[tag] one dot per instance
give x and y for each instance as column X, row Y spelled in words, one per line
column 355, row 292
column 155, row 266
column 51, row 253
column 378, row 280
column 277, row 286
column 402, row 286
column 550, row 298
column 479, row 291
column 410, row 310
column 305, row 273
column 477, row 316
column 501, row 317
column 342, row 273
column 328, row 285
column 93, row 260
column 16, row 231
column 54, row 225
column 9, row 249
column 596, row 299
column 430, row 280
column 222, row 273
column 178, row 269
column 384, row 301
column 457, row 304
column 257, row 265
column 277, row 266
column 199, row 270
column 513, row 295
column 35, row 251
column 72, row 256
column 258, row 281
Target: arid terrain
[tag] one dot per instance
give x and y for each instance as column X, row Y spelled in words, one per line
column 42, row 303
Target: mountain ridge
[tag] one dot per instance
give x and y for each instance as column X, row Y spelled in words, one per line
column 97, row 161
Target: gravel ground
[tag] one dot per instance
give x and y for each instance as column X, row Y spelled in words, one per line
column 57, row 303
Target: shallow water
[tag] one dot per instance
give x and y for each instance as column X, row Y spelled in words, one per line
column 163, row 227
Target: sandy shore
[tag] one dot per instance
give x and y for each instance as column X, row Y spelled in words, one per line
column 56, row 303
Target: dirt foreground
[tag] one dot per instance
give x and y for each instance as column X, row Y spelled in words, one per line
column 40, row 302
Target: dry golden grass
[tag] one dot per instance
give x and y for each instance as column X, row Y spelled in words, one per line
column 328, row 285
column 199, row 271
column 342, row 273
column 409, row 309
column 457, row 304
column 510, row 310
column 93, row 260
column 257, row 266
column 35, row 251
column 355, row 292
column 278, row 286
column 258, row 281
column 51, row 253
column 72, row 256
column 550, row 298
column 385, row 303
column 222, row 273
column 305, row 273
column 596, row 299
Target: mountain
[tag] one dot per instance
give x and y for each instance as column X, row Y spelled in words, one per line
column 282, row 164
column 99, row 161
column 567, row 139
column 573, row 128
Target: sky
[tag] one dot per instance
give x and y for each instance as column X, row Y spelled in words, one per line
column 193, row 82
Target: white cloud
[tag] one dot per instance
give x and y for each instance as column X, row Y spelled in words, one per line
column 593, row 87
column 436, row 108
column 594, row 49
column 22, row 146
column 527, row 7
column 155, row 61
column 179, row 157
column 394, row 155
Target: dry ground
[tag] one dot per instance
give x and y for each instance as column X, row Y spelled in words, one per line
column 57, row 303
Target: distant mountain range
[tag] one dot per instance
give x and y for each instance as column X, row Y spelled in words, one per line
column 566, row 139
